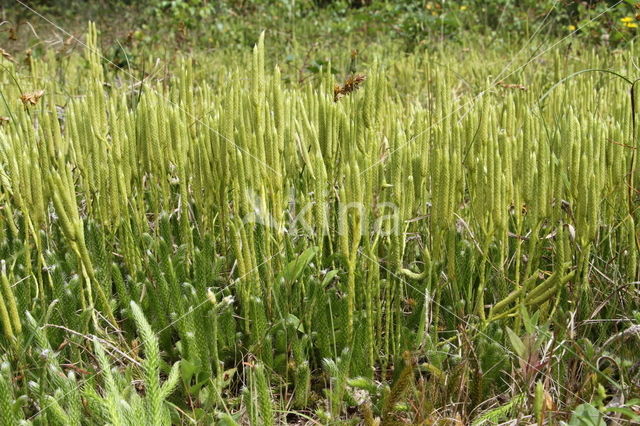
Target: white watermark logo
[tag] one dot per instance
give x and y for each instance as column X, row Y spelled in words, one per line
column 308, row 216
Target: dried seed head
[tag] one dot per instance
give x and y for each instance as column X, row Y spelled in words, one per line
column 351, row 84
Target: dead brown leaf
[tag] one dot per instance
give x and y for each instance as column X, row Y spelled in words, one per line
column 6, row 55
column 31, row 98
column 512, row 86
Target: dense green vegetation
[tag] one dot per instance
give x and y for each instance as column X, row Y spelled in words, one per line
column 437, row 225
